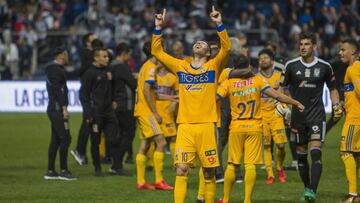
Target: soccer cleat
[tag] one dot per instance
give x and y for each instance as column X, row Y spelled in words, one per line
column 309, row 196
column 282, row 176
column 200, row 201
column 163, row 186
column 78, row 158
column 221, row 201
column 239, row 179
column 51, row 175
column 270, row 180
column 351, row 199
column 145, row 186
column 120, row 172
column 66, row 175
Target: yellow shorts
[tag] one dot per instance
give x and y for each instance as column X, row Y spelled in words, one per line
column 247, row 143
column 350, row 138
column 148, row 126
column 274, row 130
column 168, row 128
column 197, row 140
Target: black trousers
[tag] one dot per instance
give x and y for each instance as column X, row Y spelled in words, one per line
column 84, row 134
column 108, row 124
column 127, row 127
column 223, row 137
column 60, row 140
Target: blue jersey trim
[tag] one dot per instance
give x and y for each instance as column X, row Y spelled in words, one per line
column 265, row 88
column 220, row 27
column 349, row 87
column 157, row 32
column 186, row 78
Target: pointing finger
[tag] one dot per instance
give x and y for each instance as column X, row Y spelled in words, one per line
column 213, row 8
column 164, row 13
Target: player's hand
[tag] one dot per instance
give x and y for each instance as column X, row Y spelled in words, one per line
column 300, row 107
column 338, row 111
column 114, row 105
column 66, row 113
column 215, row 16
column 159, row 19
column 172, row 108
column 158, row 118
column 175, row 98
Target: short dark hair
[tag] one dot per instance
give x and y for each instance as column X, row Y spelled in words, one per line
column 241, row 62
column 147, row 49
column 352, row 42
column 85, row 38
column 97, row 43
column 98, row 50
column 308, row 35
column 267, row 52
column 272, row 45
column 59, row 50
column 122, row 48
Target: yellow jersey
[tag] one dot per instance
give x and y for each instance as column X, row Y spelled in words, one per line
column 245, row 102
column 147, row 74
column 166, row 85
column 197, row 85
column 223, row 76
column 352, row 93
column 268, row 103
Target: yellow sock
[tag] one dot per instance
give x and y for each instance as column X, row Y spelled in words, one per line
column 158, row 166
column 250, row 178
column 210, row 190
column 229, row 180
column 350, row 170
column 280, row 156
column 140, row 168
column 180, row 189
column 172, row 149
column 150, row 154
column 102, row 146
column 201, row 191
column 268, row 161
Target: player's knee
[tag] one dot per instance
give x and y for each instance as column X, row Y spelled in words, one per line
column 249, row 167
column 280, row 146
column 315, row 154
column 209, row 173
column 182, row 169
column 160, row 142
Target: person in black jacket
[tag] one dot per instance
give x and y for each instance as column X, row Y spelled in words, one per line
column 59, row 116
column 79, row 153
column 124, row 86
column 99, row 114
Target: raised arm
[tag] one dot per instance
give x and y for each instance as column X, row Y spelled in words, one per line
column 225, row 43
column 283, row 98
column 171, row 63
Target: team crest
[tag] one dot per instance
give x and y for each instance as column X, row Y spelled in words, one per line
column 307, row 73
column 317, row 72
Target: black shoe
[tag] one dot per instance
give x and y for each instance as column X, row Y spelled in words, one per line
column 99, row 173
column 239, row 177
column 66, row 175
column 80, row 159
column 120, row 172
column 200, row 201
column 149, row 168
column 219, row 178
column 51, row 175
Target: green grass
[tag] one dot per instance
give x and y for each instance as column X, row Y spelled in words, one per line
column 23, row 162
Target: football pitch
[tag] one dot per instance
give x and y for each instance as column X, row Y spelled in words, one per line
column 23, row 162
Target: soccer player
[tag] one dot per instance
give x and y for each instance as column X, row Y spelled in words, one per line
column 58, row 116
column 97, row 97
column 167, row 85
column 305, row 77
column 350, row 136
column 197, row 106
column 149, row 121
column 273, row 123
column 245, row 135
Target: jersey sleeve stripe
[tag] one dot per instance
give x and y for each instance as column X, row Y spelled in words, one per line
column 265, row 88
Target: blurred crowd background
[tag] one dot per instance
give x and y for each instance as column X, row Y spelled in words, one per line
column 30, row 29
